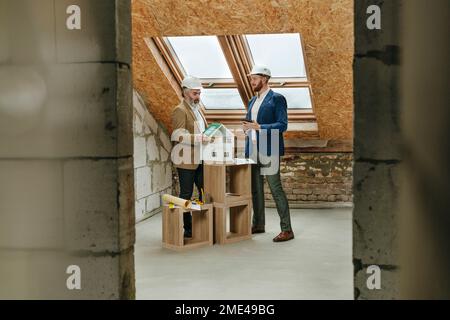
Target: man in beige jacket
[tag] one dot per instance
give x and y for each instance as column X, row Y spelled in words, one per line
column 189, row 124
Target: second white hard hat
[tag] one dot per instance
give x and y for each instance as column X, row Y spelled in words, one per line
column 261, row 70
column 191, row 83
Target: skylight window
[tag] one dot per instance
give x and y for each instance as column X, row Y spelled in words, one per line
column 282, row 53
column 223, row 63
column 222, row 99
column 201, row 56
column 297, row 98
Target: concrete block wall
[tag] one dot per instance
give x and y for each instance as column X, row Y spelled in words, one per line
column 377, row 149
column 152, row 165
column 66, row 150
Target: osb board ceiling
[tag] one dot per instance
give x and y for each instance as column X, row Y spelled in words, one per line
column 326, row 28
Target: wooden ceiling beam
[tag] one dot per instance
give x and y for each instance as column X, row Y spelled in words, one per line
column 237, row 68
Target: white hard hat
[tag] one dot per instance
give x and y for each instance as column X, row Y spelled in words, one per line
column 262, row 70
column 191, row 83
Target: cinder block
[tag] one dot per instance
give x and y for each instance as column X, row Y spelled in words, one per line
column 152, row 149
column 100, row 276
column 123, row 32
column 91, row 212
column 143, row 182
column 138, row 126
column 124, row 105
column 372, row 40
column 95, row 41
column 160, row 178
column 127, row 219
column 31, row 204
column 32, row 24
column 150, row 122
column 5, row 48
column 169, row 176
column 140, row 208
column 140, row 152
column 77, row 119
column 165, row 140
column 103, row 276
column 164, row 155
column 137, row 105
column 153, row 202
column 389, row 284
column 375, row 194
column 376, row 103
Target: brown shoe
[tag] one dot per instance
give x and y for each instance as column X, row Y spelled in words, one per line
column 284, row 236
column 258, row 229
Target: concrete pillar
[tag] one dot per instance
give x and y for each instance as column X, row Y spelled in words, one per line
column 66, row 149
column 425, row 204
column 377, row 149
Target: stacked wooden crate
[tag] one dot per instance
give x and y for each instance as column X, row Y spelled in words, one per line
column 228, row 186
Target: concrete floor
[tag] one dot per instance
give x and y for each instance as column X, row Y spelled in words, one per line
column 316, row 265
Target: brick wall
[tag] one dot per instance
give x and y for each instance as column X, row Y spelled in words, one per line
column 315, row 178
column 310, row 179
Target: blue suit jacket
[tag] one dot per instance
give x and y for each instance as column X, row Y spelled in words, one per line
column 272, row 115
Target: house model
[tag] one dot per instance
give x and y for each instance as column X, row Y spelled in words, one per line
column 221, row 148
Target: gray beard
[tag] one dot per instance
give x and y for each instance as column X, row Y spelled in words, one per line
column 194, row 105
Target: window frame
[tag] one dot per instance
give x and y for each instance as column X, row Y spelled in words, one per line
column 239, row 58
column 291, row 82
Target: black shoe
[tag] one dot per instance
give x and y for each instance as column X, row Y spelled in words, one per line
column 258, row 229
column 188, row 233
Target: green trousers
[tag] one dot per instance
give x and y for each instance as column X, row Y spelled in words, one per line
column 278, row 194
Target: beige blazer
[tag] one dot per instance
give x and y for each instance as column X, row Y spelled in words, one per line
column 183, row 124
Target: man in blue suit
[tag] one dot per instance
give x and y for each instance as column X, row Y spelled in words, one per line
column 265, row 123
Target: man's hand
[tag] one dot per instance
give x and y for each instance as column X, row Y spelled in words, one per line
column 202, row 138
column 206, row 139
column 251, row 126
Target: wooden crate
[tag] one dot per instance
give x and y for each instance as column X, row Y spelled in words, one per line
column 239, row 216
column 215, row 182
column 173, row 231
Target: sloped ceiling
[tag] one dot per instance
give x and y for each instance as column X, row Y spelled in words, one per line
column 326, row 28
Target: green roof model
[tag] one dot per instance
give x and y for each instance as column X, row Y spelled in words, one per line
column 212, row 129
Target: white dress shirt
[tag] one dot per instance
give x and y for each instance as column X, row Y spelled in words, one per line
column 199, row 119
column 255, row 110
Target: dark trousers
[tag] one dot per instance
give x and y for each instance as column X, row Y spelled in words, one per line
column 276, row 188
column 187, row 180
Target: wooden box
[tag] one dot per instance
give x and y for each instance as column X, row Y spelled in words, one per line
column 228, row 191
column 228, row 187
column 173, row 231
column 232, row 222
